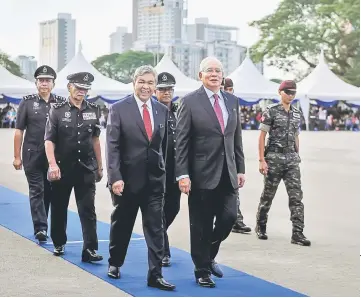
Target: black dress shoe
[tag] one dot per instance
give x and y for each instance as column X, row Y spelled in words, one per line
column 90, row 255
column 160, row 284
column 215, row 269
column 59, row 250
column 41, row 236
column 113, row 272
column 166, row 261
column 240, row 227
column 206, row 282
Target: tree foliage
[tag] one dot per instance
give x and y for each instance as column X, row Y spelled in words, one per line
column 121, row 67
column 299, row 29
column 9, row 64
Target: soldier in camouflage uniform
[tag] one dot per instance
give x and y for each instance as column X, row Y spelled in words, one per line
column 280, row 160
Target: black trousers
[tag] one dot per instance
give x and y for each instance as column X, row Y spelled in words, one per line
column 205, row 205
column 84, row 188
column 122, row 223
column 170, row 211
column 40, row 197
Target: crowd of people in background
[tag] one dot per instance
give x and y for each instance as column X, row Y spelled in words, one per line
column 336, row 118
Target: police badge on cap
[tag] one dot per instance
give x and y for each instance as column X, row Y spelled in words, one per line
column 81, row 80
column 45, row 72
column 165, row 80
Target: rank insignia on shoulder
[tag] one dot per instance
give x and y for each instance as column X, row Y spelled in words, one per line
column 94, row 105
column 59, row 98
column 59, row 104
column 31, row 96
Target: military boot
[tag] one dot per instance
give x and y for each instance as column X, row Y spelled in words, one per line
column 261, row 232
column 300, row 239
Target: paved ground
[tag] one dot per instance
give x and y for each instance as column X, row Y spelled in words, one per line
column 330, row 267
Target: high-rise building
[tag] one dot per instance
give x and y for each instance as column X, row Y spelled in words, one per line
column 27, row 65
column 120, row 40
column 57, row 41
column 156, row 22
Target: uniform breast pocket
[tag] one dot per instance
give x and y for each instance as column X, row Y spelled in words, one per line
column 66, row 128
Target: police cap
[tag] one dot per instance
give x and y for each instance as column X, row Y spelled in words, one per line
column 165, row 80
column 81, row 80
column 45, row 72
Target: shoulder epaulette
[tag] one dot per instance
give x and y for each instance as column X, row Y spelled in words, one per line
column 296, row 109
column 59, row 104
column 94, row 105
column 59, row 98
column 31, row 96
column 272, row 105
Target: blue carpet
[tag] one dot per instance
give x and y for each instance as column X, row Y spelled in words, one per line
column 15, row 216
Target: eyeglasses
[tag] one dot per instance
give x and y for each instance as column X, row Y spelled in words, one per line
column 211, row 70
column 289, row 92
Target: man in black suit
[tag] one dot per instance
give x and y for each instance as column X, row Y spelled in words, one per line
column 136, row 131
column 210, row 154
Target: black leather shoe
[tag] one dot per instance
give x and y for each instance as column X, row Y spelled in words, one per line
column 90, row 255
column 300, row 239
column 41, row 236
column 261, row 232
column 166, row 261
column 59, row 250
column 113, row 272
column 215, row 269
column 240, row 227
column 206, row 282
column 160, row 284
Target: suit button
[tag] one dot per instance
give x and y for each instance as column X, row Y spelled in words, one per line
column 222, row 153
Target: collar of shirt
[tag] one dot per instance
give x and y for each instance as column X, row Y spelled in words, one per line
column 83, row 104
column 140, row 103
column 210, row 94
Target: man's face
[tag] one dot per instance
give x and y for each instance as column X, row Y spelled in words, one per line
column 144, row 86
column 229, row 90
column 165, row 94
column 77, row 93
column 212, row 75
column 287, row 95
column 44, row 85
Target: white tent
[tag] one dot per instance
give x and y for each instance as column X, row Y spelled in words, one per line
column 14, row 86
column 102, row 85
column 324, row 85
column 250, row 85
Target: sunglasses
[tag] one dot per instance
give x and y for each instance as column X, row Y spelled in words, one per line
column 289, row 92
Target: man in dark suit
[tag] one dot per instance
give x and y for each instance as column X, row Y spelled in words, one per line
column 210, row 154
column 136, row 130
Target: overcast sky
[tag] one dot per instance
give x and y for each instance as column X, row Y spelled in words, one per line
column 97, row 19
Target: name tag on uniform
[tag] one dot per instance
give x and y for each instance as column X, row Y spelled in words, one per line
column 89, row 116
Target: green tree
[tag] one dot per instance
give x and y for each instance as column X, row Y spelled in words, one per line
column 299, row 29
column 121, row 67
column 9, row 65
column 278, row 81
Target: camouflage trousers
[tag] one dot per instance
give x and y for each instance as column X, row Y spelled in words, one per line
column 286, row 168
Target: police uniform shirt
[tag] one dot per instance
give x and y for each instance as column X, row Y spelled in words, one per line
column 31, row 116
column 72, row 130
column 281, row 125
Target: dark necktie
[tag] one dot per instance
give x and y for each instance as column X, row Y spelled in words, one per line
column 147, row 122
column 218, row 110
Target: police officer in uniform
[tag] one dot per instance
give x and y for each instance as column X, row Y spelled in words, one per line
column 31, row 116
column 239, row 226
column 280, row 161
column 74, row 155
column 164, row 92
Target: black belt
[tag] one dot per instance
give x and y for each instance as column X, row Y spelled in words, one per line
column 281, row 150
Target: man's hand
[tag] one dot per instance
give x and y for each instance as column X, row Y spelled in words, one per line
column 241, row 180
column 99, row 175
column 17, row 163
column 54, row 173
column 185, row 185
column 118, row 187
column 263, row 167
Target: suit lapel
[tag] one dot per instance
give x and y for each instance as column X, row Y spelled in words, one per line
column 135, row 114
column 206, row 104
column 228, row 106
column 156, row 116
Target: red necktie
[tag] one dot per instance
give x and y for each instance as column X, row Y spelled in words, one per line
column 147, row 122
column 218, row 110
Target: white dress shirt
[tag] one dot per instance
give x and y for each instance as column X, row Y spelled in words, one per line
column 221, row 104
column 149, row 106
